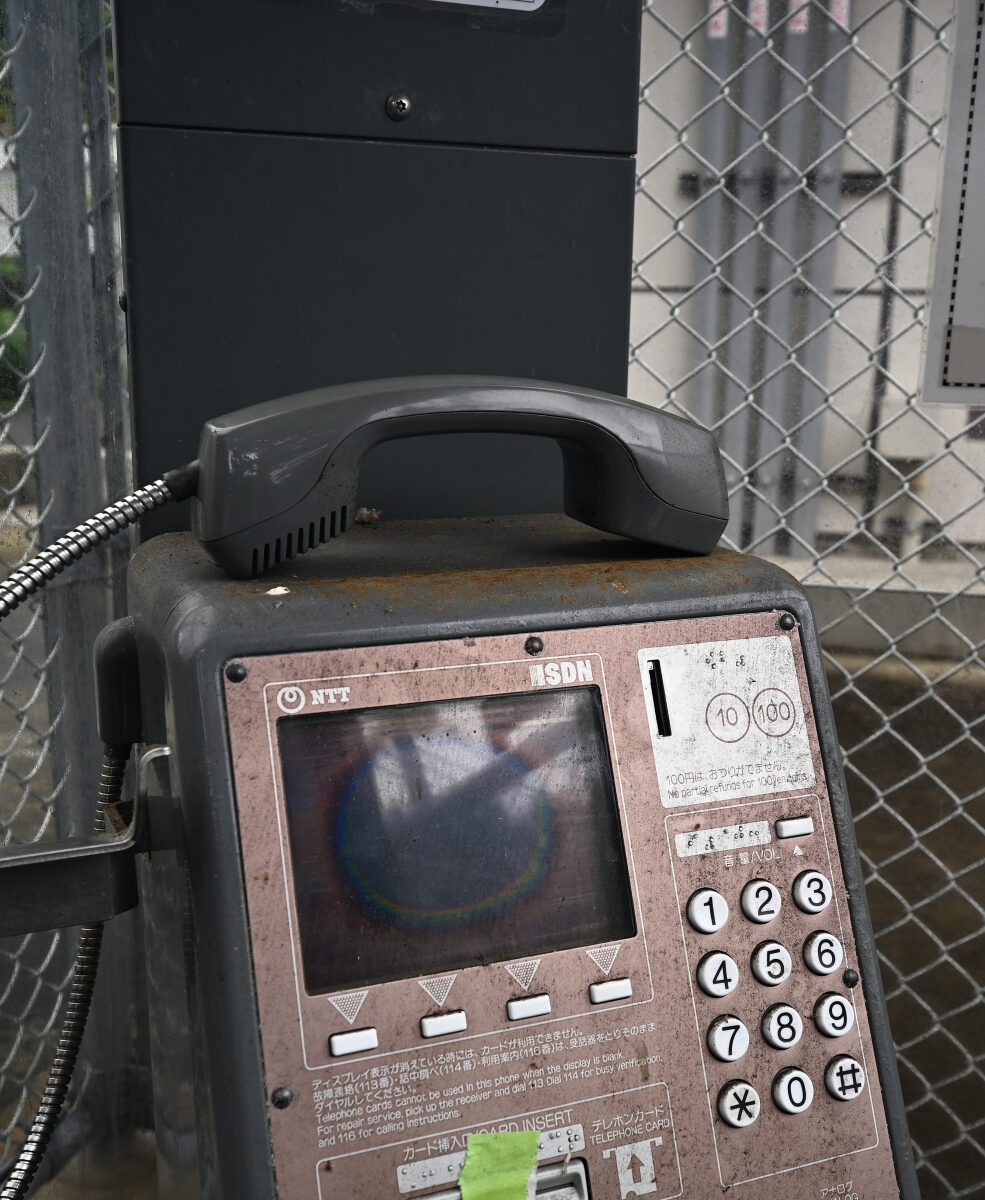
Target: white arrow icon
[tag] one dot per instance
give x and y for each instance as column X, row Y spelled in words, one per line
column 797, row 850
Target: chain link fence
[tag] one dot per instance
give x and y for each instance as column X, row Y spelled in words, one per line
column 788, row 161
column 787, row 168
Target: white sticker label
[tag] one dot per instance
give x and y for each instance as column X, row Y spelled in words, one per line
column 734, row 725
column 729, row 837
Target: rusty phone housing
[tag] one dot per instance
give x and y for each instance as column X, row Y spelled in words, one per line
column 502, row 825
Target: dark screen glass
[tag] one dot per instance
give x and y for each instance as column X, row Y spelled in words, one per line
column 450, row 833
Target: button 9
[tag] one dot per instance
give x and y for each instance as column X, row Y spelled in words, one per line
column 833, row 1015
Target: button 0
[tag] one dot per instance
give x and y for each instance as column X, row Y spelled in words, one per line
column 738, row 1103
column 793, row 1091
column 450, row 1022
column 352, row 1042
column 781, row 1026
column 707, row 910
column 611, row 989
column 528, row 1006
column 794, row 827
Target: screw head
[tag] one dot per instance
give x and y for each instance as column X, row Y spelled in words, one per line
column 236, row 672
column 850, row 978
column 533, row 645
column 398, row 106
column 787, row 622
column 281, row 1097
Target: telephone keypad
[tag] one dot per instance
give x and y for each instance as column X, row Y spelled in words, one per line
column 781, row 1026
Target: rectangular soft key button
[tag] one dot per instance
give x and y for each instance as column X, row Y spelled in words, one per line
column 528, row 1006
column 793, row 827
column 452, row 1022
column 612, row 989
column 352, row 1042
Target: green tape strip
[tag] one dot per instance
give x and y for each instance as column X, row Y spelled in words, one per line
column 499, row 1166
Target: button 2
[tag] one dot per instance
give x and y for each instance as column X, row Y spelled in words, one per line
column 707, row 910
column 717, row 974
column 771, row 963
column 728, row 1038
column 793, row 1091
column 812, row 892
column 738, row 1103
column 823, row 953
column 760, row 901
column 844, row 1077
column 833, row 1015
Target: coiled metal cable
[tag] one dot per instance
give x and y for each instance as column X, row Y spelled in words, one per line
column 72, row 546
column 76, row 1009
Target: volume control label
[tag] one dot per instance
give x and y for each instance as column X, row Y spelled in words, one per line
column 736, row 719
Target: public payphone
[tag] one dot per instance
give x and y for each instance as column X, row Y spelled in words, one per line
column 495, row 849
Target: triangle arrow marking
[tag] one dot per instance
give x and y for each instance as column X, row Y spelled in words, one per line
column 438, row 987
column 604, row 957
column 797, row 850
column 349, row 1004
column 523, row 972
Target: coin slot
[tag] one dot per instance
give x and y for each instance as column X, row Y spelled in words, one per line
column 661, row 714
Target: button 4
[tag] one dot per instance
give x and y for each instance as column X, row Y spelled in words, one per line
column 717, row 974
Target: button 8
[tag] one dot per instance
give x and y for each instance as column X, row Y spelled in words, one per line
column 760, row 901
column 717, row 974
column 781, row 1026
column 812, row 892
column 707, row 910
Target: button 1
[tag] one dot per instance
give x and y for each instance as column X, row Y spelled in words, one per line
column 760, row 901
column 717, row 974
column 728, row 1038
column 352, row 1042
column 738, row 1103
column 611, row 989
column 781, row 1026
column 528, row 1006
column 812, row 892
column 794, row 827
column 449, row 1022
column 844, row 1077
column 833, row 1015
column 771, row 963
column 793, row 1091
column 707, row 910
column 823, row 953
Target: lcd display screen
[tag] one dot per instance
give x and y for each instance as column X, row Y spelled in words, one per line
column 450, row 833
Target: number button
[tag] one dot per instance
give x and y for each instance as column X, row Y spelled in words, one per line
column 707, row 910
column 738, row 1104
column 717, row 974
column 760, row 901
column 844, row 1077
column 782, row 1026
column 823, row 953
column 728, row 1038
column 833, row 1015
column 771, row 963
column 793, row 1091
column 812, row 892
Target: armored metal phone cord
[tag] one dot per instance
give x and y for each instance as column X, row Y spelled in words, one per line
column 24, row 582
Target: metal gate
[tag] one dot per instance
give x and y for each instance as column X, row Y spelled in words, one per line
column 787, row 166
column 788, row 157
